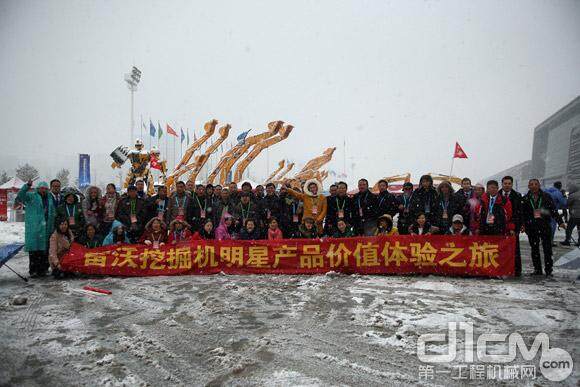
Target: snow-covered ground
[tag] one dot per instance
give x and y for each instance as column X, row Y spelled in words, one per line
column 268, row 330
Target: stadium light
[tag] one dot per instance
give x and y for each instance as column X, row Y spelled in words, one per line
column 133, row 80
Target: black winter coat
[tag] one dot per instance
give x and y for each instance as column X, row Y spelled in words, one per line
column 270, row 205
column 547, row 211
column 124, row 211
column 220, row 208
column 446, row 211
column 387, row 204
column 405, row 215
column 426, row 201
column 366, row 204
column 153, row 208
column 462, row 199
column 201, row 211
column 336, row 204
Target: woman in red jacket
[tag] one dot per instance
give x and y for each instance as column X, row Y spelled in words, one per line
column 274, row 231
column 155, row 234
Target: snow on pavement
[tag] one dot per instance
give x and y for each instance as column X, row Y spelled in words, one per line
column 272, row 330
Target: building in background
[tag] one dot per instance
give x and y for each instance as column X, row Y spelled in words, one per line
column 520, row 173
column 555, row 152
column 556, row 149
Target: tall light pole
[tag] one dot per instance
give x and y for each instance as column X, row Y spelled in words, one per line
column 132, row 80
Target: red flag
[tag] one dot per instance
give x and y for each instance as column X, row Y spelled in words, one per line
column 459, row 153
column 171, row 131
column 155, row 164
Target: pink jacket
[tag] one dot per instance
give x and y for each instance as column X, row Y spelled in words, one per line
column 221, row 232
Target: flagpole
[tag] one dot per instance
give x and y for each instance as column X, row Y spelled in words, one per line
column 344, row 158
column 452, row 160
column 149, row 132
column 451, row 169
column 268, row 161
column 166, row 147
column 174, row 164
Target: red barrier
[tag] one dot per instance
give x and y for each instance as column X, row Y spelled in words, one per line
column 436, row 254
column 3, row 205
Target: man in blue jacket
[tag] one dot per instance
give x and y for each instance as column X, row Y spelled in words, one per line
column 559, row 204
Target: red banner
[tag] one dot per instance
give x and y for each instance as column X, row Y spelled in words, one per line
column 402, row 254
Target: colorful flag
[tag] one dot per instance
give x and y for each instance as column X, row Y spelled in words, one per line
column 182, row 135
column 170, row 130
column 459, row 152
column 151, row 129
column 242, row 136
column 159, row 131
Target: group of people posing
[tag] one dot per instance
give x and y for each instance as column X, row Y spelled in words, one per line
column 55, row 218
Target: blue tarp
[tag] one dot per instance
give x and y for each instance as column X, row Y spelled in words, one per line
column 9, row 251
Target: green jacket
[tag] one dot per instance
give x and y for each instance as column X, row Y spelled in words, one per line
column 37, row 228
column 77, row 210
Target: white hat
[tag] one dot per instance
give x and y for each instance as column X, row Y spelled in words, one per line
column 457, row 218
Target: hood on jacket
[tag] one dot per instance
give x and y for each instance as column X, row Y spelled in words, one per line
column 148, row 225
column 110, row 236
column 88, row 190
column 223, row 219
column 175, row 221
column 72, row 191
column 302, row 229
column 388, row 218
column 307, row 184
column 116, row 224
column 41, row 184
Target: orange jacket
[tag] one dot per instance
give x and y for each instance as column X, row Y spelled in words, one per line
column 309, row 202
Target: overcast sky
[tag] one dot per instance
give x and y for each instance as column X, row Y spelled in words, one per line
column 400, row 81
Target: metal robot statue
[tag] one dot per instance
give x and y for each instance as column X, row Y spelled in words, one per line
column 140, row 159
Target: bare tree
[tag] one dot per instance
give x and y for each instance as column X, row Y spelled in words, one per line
column 4, row 177
column 26, row 172
column 63, row 176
